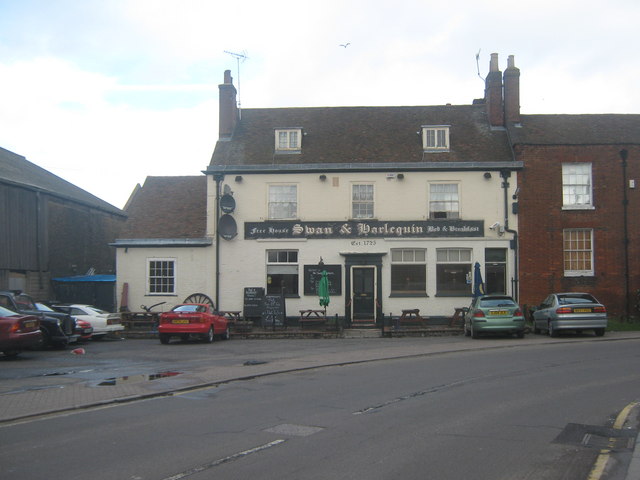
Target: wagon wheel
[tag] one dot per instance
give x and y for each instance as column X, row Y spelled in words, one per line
column 199, row 298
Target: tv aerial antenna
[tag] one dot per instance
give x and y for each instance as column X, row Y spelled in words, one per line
column 478, row 64
column 238, row 56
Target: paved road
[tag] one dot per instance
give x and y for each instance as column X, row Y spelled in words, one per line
column 460, row 370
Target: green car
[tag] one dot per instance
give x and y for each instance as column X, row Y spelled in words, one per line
column 493, row 314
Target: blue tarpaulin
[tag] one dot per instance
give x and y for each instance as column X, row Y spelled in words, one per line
column 87, row 278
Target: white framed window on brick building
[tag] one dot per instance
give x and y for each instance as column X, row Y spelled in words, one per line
column 283, row 202
column 576, row 186
column 161, row 276
column 362, row 201
column 578, row 252
column 288, row 140
column 453, row 271
column 282, row 272
column 444, row 201
column 408, row 272
column 435, row 138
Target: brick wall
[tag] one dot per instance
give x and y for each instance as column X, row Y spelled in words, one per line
column 542, row 220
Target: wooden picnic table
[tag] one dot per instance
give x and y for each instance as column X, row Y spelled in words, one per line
column 233, row 316
column 458, row 316
column 312, row 317
column 412, row 316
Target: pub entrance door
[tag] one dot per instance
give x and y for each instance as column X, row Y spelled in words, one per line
column 363, row 293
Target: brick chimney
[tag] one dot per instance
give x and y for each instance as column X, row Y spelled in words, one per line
column 493, row 94
column 228, row 107
column 511, row 92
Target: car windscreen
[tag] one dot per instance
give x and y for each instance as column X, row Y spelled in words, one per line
column 188, row 308
column 25, row 303
column 497, row 302
column 567, row 299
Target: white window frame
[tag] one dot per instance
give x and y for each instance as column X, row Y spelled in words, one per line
column 435, row 138
column 408, row 256
column 282, row 207
column 577, row 186
column 278, row 262
column 578, row 252
column 363, row 207
column 462, row 257
column 449, row 213
column 150, row 277
column 288, row 140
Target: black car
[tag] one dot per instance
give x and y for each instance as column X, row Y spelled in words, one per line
column 58, row 329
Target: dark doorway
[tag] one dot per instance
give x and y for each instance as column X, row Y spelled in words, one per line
column 363, row 288
column 496, row 270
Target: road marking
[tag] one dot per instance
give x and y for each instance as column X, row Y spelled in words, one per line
column 603, row 458
column 220, row 461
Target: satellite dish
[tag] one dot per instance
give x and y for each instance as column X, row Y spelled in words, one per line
column 227, row 227
column 227, row 203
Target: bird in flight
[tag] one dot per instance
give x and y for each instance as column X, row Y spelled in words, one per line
column 345, row 45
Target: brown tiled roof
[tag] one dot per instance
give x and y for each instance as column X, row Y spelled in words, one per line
column 168, row 207
column 594, row 129
column 347, row 135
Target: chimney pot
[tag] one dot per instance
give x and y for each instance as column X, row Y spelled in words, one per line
column 512, row 92
column 493, row 65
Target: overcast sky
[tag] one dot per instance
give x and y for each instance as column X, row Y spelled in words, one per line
column 104, row 93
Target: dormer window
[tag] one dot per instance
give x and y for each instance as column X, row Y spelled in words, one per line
column 435, row 138
column 288, row 140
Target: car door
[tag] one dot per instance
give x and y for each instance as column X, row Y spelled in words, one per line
column 542, row 313
column 469, row 314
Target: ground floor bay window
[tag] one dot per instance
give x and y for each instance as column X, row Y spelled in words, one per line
column 282, row 272
column 453, row 272
column 408, row 272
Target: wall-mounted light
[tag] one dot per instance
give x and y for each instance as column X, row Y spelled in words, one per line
column 322, row 178
column 487, row 175
column 400, row 176
column 238, row 178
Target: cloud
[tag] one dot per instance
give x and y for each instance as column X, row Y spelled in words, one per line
column 59, row 118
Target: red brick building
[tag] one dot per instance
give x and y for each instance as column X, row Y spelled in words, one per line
column 578, row 200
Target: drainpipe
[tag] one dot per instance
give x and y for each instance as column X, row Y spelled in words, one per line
column 625, row 205
column 218, row 178
column 505, row 174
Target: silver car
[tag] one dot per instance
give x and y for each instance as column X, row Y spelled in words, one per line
column 570, row 311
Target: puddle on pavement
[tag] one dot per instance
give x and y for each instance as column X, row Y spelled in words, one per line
column 110, row 382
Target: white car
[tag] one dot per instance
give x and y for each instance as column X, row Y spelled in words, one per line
column 103, row 323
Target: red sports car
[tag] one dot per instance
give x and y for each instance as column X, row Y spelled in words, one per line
column 18, row 332
column 189, row 319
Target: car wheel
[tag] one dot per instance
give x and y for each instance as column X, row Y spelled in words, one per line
column 552, row 331
column 164, row 338
column 599, row 332
column 209, row 336
column 184, row 337
column 520, row 334
column 227, row 334
column 474, row 334
column 97, row 338
column 45, row 340
column 11, row 353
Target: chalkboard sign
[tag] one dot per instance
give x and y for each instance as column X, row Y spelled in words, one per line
column 253, row 299
column 313, row 273
column 273, row 311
